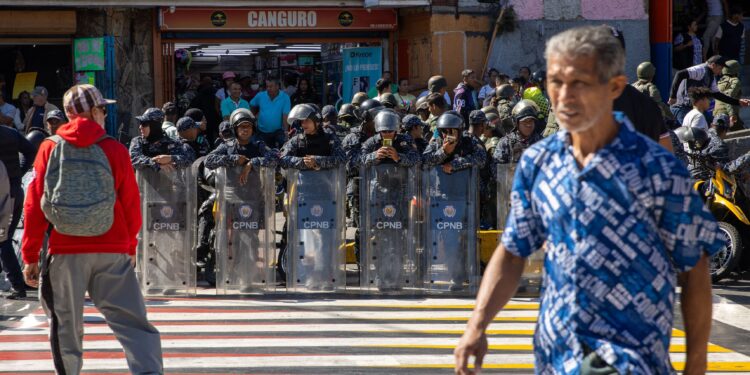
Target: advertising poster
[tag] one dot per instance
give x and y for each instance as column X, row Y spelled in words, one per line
column 362, row 68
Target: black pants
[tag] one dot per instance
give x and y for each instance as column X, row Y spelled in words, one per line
column 7, row 254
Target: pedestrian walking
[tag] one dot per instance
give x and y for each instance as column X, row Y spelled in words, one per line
column 619, row 222
column 93, row 239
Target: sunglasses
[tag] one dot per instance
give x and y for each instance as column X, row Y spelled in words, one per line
column 103, row 109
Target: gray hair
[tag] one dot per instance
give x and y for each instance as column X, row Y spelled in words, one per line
column 592, row 41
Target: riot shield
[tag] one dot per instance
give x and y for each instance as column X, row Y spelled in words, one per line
column 451, row 261
column 531, row 279
column 316, row 252
column 166, row 260
column 388, row 243
column 246, row 230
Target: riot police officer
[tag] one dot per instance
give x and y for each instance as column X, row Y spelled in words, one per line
column 348, row 117
column 311, row 151
column 525, row 117
column 453, row 149
column 353, row 147
column 388, row 176
column 414, row 127
column 154, row 149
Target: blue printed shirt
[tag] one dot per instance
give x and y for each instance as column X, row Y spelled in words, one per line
column 615, row 235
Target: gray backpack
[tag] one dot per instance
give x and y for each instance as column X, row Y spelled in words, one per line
column 6, row 203
column 79, row 189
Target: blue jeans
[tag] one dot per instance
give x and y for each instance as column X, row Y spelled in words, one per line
column 679, row 111
column 7, row 254
column 274, row 139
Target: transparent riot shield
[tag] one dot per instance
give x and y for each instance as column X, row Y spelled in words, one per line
column 246, row 231
column 316, row 252
column 531, row 279
column 451, row 261
column 166, row 260
column 388, row 243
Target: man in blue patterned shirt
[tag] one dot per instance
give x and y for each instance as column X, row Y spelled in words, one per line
column 619, row 223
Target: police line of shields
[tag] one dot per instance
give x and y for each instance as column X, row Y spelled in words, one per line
column 316, row 251
column 166, row 260
column 388, row 229
column 450, row 257
column 531, row 279
column 246, row 231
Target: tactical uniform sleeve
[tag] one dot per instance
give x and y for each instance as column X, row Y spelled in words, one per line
column 288, row 158
column 654, row 93
column 477, row 157
column 369, row 151
column 739, row 164
column 352, row 153
column 434, row 155
column 503, row 152
column 734, row 90
column 183, row 155
column 552, row 125
column 220, row 157
column 139, row 160
column 338, row 156
column 269, row 159
column 409, row 158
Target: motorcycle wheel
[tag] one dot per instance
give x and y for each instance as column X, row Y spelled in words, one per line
column 725, row 260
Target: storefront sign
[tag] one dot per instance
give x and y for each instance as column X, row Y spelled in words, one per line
column 300, row 19
column 88, row 54
column 362, row 68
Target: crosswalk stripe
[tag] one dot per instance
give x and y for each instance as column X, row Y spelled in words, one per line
column 249, row 335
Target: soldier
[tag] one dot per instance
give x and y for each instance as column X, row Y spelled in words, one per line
column 353, row 147
column 359, row 98
column 154, row 149
column 389, row 101
column 525, row 116
column 412, row 126
column 477, row 127
column 452, row 148
column 730, row 85
column 645, row 85
column 422, row 108
column 504, row 102
column 348, row 117
column 330, row 122
column 188, row 131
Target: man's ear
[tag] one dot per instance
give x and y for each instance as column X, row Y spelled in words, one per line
column 617, row 85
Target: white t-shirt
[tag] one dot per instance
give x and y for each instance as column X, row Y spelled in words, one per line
column 427, row 92
column 695, row 119
column 697, row 73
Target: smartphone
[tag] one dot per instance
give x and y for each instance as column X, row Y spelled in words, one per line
column 387, row 143
column 450, row 139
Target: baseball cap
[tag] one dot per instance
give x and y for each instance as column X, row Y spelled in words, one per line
column 39, row 90
column 225, row 126
column 186, row 123
column 228, row 75
column 82, row 98
column 477, row 117
column 718, row 60
column 151, row 115
column 410, row 121
column 55, row 114
column 721, row 121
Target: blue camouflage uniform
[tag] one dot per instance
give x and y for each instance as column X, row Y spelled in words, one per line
column 228, row 152
column 141, row 152
column 324, row 146
column 469, row 152
column 404, row 145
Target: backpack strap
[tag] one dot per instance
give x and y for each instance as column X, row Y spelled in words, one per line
column 55, row 138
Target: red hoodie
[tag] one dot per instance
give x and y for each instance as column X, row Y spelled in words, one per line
column 122, row 237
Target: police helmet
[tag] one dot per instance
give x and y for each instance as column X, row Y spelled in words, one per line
column 359, row 98
column 422, row 105
column 477, row 117
column 450, row 120
column 732, row 68
column 538, row 77
column 369, row 109
column 504, row 91
column 490, row 109
column 646, row 70
column 389, row 100
column 696, row 138
column 387, row 120
column 302, row 112
column 241, row 115
column 329, row 112
column 350, row 111
column 436, row 83
column 523, row 110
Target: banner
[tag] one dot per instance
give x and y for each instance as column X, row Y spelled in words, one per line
column 23, row 82
column 362, row 68
column 88, row 54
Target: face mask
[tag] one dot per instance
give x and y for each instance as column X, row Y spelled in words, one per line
column 254, row 86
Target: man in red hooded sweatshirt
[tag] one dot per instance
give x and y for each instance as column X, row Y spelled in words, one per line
column 100, row 265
